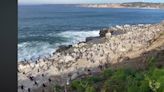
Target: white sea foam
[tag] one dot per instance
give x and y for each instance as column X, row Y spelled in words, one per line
column 76, row 36
column 27, row 50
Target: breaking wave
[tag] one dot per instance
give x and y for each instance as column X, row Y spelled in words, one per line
column 34, row 49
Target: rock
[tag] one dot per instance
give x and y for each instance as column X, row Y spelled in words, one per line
column 68, row 58
column 75, row 50
column 108, row 35
column 122, row 40
column 75, row 45
column 119, row 27
column 21, row 67
column 94, row 45
column 90, row 38
column 63, row 48
column 74, row 76
column 113, row 30
column 82, row 44
column 104, row 31
column 126, row 25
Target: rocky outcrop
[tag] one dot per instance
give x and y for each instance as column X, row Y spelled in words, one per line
column 90, row 38
column 63, row 48
column 108, row 35
column 80, row 58
column 104, row 31
column 117, row 30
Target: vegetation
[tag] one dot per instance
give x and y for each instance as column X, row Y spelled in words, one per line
column 122, row 80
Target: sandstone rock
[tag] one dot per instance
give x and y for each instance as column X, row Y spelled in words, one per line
column 74, row 76
column 108, row 35
column 68, row 58
column 81, row 44
column 75, row 50
column 104, row 31
column 75, row 45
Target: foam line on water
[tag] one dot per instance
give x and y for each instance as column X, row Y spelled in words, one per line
column 76, row 36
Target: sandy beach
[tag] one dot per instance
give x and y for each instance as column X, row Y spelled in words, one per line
column 113, row 45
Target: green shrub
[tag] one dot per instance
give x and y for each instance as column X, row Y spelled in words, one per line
column 57, row 88
column 133, row 88
column 106, row 86
column 161, row 81
column 120, row 74
column 94, row 79
column 139, row 76
column 90, row 89
column 154, row 85
column 77, row 86
column 144, row 86
column 115, row 85
column 107, row 73
column 156, row 79
column 124, row 80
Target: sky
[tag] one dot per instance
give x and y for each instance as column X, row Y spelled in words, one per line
column 80, row 1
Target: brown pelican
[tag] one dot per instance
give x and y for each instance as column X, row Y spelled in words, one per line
column 44, row 85
column 36, row 83
column 22, row 87
column 31, row 78
column 49, row 80
column 29, row 90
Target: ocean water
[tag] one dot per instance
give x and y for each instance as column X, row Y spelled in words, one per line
column 42, row 28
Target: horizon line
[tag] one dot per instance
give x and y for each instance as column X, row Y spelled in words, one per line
column 80, row 3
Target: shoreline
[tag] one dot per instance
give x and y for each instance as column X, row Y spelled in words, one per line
column 124, row 8
column 128, row 8
column 67, row 64
column 133, row 5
